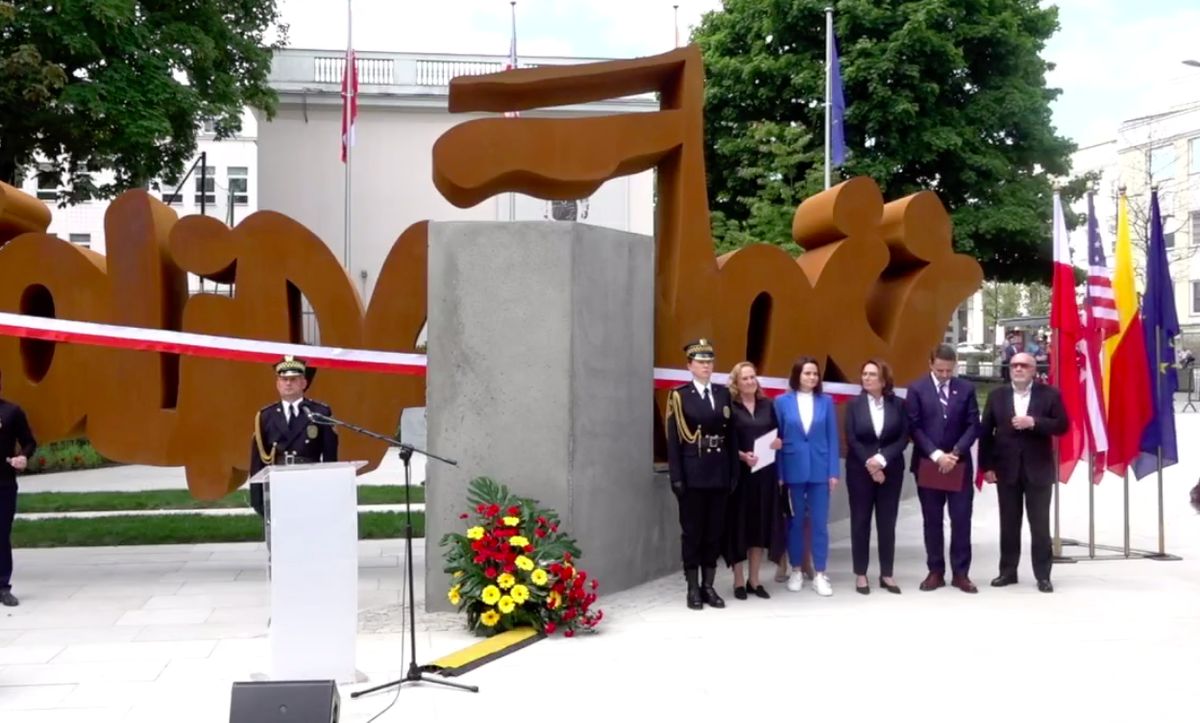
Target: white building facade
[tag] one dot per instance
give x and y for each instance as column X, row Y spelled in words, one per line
column 402, row 111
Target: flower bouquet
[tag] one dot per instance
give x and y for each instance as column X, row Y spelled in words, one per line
column 512, row 567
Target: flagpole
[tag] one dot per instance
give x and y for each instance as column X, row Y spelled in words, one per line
column 1158, row 375
column 1091, row 483
column 1056, row 349
column 1125, row 481
column 676, row 6
column 347, row 104
column 828, row 93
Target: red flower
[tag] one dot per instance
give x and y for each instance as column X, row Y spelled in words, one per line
column 490, row 573
column 569, row 634
column 463, row 516
column 595, row 584
column 556, row 568
column 554, row 528
column 569, row 615
column 480, row 558
column 493, row 510
column 528, row 548
column 509, row 567
column 514, row 511
column 539, row 532
column 480, row 508
column 551, row 627
column 541, row 520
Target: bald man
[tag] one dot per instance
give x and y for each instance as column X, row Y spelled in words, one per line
column 1016, row 453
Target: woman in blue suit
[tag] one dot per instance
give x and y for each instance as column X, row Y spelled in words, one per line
column 808, row 465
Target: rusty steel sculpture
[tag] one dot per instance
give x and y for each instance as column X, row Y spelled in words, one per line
column 876, row 279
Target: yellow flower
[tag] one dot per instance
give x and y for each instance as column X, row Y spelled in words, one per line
column 475, row 533
column 505, row 581
column 490, row 595
column 455, row 598
column 554, row 600
column 539, row 576
column 520, row 594
column 489, row 618
column 512, row 521
column 518, row 541
column 506, row 605
column 524, row 563
column 458, row 573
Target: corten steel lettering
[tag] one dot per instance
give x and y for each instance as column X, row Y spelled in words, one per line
column 876, row 279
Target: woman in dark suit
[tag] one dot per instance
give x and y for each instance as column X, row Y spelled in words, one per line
column 876, row 435
column 755, row 521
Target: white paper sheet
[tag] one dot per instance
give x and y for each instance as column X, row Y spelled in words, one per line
column 762, row 449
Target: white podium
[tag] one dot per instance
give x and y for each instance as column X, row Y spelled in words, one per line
column 312, row 539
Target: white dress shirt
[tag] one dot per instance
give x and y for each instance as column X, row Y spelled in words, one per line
column 876, row 408
column 804, row 404
column 291, row 410
column 936, row 454
column 700, row 387
column 1021, row 400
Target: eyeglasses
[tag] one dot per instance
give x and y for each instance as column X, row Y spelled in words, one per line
column 1020, row 365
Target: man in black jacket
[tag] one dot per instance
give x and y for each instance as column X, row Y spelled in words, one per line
column 703, row 462
column 17, row 444
column 1016, row 453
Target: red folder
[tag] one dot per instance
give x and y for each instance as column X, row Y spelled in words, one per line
column 930, row 477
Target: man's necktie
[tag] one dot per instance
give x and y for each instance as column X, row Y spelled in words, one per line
column 707, row 398
column 943, row 397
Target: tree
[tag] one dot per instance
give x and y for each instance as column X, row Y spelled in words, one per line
column 946, row 95
column 1037, row 300
column 1001, row 300
column 123, row 85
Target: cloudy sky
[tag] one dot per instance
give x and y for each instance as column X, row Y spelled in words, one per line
column 1116, row 59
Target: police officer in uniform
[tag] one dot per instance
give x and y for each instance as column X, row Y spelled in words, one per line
column 702, row 457
column 283, row 432
column 18, row 445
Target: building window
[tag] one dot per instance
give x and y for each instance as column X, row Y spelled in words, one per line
column 206, row 187
column 1169, row 240
column 1162, row 163
column 1196, row 298
column 209, row 126
column 81, row 239
column 171, row 198
column 1194, row 155
column 47, row 182
column 239, row 185
column 1195, row 240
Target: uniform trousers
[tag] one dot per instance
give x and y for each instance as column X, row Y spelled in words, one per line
column 702, row 519
column 1036, row 498
column 8, row 510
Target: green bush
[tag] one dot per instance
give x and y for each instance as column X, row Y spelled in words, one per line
column 66, row 455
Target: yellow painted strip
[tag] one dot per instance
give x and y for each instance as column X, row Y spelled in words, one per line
column 483, row 652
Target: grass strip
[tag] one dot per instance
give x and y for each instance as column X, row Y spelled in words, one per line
column 181, row 529
column 41, row 502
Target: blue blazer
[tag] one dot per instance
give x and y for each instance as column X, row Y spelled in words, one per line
column 811, row 456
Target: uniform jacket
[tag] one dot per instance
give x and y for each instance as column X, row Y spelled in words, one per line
column 703, row 454
column 309, row 442
column 15, row 438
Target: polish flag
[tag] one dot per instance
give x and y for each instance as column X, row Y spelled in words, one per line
column 1067, row 371
column 349, row 101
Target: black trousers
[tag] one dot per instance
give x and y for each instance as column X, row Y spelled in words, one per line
column 1036, row 498
column 8, row 510
column 256, row 497
column 882, row 500
column 702, row 519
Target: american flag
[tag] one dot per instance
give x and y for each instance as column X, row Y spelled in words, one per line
column 1100, row 305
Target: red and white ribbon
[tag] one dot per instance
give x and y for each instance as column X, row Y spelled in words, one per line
column 255, row 350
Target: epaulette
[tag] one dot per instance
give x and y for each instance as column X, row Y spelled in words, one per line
column 315, row 403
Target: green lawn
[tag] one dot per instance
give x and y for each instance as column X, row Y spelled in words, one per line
column 180, row 529
column 178, row 500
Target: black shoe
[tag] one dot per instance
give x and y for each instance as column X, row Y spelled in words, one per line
column 1045, row 586
column 893, row 589
column 759, row 591
column 739, row 592
column 707, row 593
column 863, row 590
column 1005, row 579
column 693, row 589
column 7, row 599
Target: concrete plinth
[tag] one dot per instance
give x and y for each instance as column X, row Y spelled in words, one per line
column 541, row 377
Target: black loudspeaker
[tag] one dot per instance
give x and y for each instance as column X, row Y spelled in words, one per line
column 290, row 701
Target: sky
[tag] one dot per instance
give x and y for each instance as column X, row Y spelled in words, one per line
column 1116, row 59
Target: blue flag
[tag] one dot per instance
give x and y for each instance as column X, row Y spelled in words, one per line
column 837, row 106
column 1160, row 326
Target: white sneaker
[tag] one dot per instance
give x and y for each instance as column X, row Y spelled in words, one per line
column 795, row 581
column 821, row 585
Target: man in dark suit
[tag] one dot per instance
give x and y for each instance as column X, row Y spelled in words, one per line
column 943, row 418
column 17, row 445
column 283, row 432
column 702, row 457
column 1016, row 452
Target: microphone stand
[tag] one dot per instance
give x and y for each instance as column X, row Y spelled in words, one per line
column 414, row 674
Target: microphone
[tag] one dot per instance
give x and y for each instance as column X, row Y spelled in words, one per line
column 316, row 417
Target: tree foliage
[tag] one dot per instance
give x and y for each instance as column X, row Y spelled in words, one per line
column 946, row 95
column 123, row 85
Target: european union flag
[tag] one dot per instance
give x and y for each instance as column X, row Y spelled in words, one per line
column 1160, row 324
column 837, row 105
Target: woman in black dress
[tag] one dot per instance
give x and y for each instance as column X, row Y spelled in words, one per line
column 756, row 522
